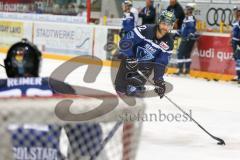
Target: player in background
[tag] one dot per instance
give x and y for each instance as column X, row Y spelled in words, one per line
column 235, row 8
column 188, row 35
column 146, row 48
column 236, row 43
column 135, row 12
column 35, row 141
column 128, row 22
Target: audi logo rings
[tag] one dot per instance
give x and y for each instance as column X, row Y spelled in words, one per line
column 215, row 16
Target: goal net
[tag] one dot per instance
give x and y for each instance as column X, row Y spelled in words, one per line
column 31, row 130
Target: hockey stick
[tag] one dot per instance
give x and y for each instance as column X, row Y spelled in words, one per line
column 2, row 66
column 220, row 141
column 109, row 136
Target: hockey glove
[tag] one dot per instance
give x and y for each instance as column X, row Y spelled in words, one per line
column 160, row 88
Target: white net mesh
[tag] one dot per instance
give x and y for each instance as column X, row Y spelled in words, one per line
column 30, row 130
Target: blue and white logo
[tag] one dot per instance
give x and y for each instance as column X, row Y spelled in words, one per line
column 143, row 54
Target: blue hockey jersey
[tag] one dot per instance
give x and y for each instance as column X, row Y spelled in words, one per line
column 143, row 45
column 128, row 21
column 236, row 35
column 188, row 27
column 19, row 87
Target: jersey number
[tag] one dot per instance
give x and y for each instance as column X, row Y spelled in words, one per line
column 140, row 28
column 29, row 92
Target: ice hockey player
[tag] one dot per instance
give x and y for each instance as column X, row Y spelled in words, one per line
column 135, row 12
column 35, row 141
column 146, row 48
column 29, row 141
column 236, row 43
column 188, row 35
column 128, row 22
column 235, row 8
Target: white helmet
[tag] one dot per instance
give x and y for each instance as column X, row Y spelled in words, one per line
column 190, row 6
column 236, row 8
column 128, row 2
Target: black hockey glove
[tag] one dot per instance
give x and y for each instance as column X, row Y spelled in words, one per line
column 125, row 58
column 160, row 88
column 130, row 63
